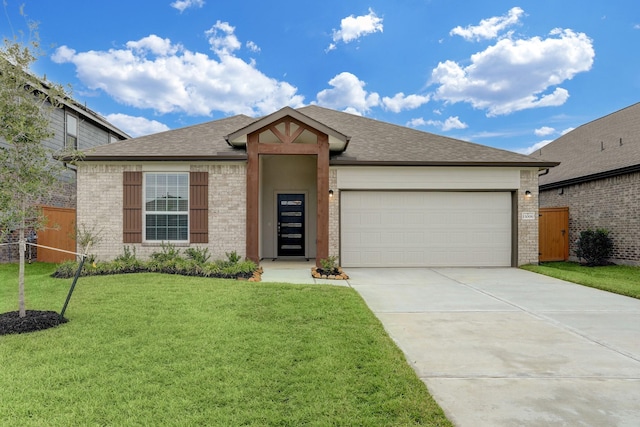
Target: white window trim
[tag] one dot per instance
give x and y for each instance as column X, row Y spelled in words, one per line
column 144, row 209
column 67, row 134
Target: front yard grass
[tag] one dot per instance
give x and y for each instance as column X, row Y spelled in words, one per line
column 620, row 279
column 155, row 349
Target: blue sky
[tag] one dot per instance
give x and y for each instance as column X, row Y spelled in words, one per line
column 511, row 75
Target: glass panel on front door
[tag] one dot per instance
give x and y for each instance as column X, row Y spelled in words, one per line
column 291, row 227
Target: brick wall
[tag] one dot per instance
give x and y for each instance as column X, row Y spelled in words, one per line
column 100, row 206
column 610, row 203
column 527, row 228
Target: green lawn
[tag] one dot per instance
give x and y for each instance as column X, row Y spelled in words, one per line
column 153, row 349
column 619, row 279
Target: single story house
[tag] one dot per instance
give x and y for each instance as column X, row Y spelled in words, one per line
column 598, row 179
column 313, row 182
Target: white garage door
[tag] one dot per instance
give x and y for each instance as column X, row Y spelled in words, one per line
column 425, row 229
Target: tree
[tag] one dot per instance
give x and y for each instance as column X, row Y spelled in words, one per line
column 28, row 171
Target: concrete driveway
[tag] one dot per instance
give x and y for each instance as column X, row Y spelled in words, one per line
column 506, row 347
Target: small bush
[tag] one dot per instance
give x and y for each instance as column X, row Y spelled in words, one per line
column 329, row 263
column 595, row 247
column 199, row 255
column 232, row 257
column 128, row 255
column 65, row 270
column 168, row 253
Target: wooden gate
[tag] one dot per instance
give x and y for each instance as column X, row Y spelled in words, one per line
column 60, row 233
column 554, row 234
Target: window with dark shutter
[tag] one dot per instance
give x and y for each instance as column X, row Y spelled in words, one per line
column 198, row 202
column 199, row 207
column 132, row 207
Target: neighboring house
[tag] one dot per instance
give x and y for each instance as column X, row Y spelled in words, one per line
column 76, row 127
column 598, row 179
column 313, row 182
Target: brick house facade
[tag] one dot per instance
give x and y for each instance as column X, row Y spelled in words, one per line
column 290, row 185
column 598, row 179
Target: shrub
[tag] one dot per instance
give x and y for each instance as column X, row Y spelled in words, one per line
column 65, row 270
column 167, row 261
column 199, row 255
column 168, row 253
column 232, row 257
column 329, row 266
column 128, row 255
column 595, row 247
column 329, row 263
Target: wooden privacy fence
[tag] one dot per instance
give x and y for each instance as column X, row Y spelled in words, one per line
column 554, row 234
column 60, row 233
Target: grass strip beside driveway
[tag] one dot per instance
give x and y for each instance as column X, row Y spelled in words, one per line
column 620, row 279
column 154, row 349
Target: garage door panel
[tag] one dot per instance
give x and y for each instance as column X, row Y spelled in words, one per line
column 411, row 229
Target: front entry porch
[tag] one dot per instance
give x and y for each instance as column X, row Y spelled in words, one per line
column 287, row 156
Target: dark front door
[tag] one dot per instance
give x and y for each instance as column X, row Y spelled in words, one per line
column 291, row 225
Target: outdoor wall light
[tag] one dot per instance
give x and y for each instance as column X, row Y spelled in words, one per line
column 330, row 193
column 528, row 194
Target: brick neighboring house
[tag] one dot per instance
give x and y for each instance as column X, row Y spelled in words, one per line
column 598, row 179
column 74, row 126
column 310, row 183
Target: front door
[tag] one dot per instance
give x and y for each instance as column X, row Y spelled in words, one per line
column 291, row 225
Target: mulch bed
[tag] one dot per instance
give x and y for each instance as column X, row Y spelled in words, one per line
column 35, row 320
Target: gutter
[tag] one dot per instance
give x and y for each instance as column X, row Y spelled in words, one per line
column 225, row 158
column 592, row 177
column 354, row 162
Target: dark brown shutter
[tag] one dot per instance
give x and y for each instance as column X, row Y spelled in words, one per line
column 132, row 207
column 199, row 207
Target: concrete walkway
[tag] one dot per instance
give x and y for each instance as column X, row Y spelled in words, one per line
column 506, row 347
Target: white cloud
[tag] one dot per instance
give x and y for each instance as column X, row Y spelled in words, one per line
column 155, row 74
column 490, row 27
column 566, row 131
column 222, row 39
column 636, row 27
column 544, row 131
column 348, row 94
column 136, row 126
column 252, row 46
column 416, row 122
column 354, row 27
column 181, row 5
column 401, row 102
column 515, row 75
column 448, row 124
column 155, row 45
column 533, row 148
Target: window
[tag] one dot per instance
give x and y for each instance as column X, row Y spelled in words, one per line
column 71, row 138
column 166, row 207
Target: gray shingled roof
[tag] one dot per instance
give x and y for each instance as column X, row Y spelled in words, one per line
column 204, row 141
column 606, row 146
column 372, row 142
